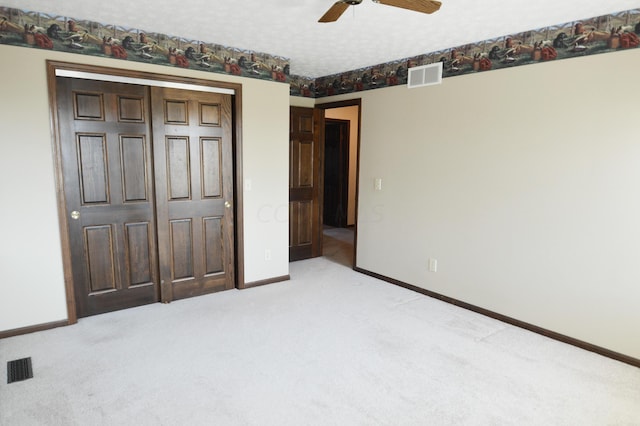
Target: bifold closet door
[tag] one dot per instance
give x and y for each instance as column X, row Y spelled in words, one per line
column 194, row 191
column 105, row 144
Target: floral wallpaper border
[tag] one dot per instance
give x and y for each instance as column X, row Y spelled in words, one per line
column 602, row 34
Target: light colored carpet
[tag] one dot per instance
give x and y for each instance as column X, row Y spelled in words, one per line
column 329, row 347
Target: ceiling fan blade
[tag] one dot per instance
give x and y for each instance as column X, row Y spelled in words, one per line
column 334, row 12
column 424, row 6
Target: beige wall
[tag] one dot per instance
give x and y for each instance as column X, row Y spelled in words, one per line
column 298, row 101
column 349, row 113
column 32, row 287
column 522, row 183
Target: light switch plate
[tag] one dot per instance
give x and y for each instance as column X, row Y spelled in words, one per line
column 433, row 265
column 378, row 184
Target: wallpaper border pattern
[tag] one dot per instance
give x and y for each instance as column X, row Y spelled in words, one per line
column 26, row 28
column 602, row 34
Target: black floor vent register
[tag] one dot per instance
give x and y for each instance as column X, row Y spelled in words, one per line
column 19, row 369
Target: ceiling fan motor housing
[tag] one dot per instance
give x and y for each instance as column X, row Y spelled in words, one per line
column 352, row 2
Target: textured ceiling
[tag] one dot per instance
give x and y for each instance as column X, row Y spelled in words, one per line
column 368, row 34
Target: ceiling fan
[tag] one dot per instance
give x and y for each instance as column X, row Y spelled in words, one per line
column 338, row 8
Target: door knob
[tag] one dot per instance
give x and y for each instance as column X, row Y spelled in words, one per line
column 227, row 204
column 75, row 215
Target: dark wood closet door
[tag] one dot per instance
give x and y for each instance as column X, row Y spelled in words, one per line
column 106, row 160
column 305, row 196
column 194, row 191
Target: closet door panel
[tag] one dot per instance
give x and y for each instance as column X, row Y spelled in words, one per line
column 194, row 191
column 104, row 133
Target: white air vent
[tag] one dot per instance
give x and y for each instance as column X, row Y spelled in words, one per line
column 425, row 75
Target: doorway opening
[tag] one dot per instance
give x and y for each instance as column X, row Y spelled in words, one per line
column 340, row 154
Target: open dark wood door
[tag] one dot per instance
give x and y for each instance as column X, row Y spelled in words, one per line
column 106, row 161
column 305, row 184
column 194, row 191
